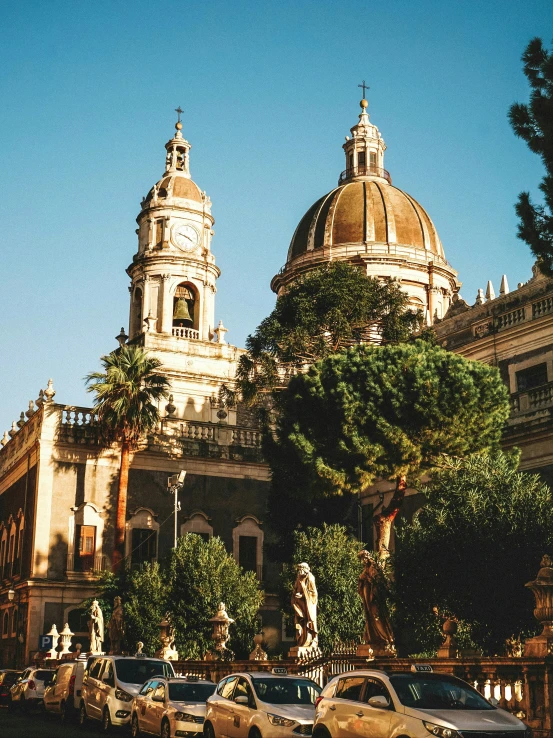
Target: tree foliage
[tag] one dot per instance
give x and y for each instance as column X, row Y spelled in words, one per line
column 332, row 556
column 189, row 585
column 534, row 124
column 381, row 412
column 319, row 314
column 203, row 574
column 470, row 550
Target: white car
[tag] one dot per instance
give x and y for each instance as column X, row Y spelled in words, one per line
column 171, row 707
column 261, row 705
column 416, row 704
column 29, row 688
column 111, row 683
column 63, row 695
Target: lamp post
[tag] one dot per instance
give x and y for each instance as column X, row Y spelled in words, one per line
column 19, row 638
column 174, row 484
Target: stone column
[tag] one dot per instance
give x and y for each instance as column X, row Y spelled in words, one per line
column 166, row 318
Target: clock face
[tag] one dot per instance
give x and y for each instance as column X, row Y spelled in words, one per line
column 185, row 237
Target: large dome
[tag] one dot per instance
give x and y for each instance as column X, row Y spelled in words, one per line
column 374, row 225
column 363, row 213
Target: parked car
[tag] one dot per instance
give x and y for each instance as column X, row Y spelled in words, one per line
column 171, row 707
column 261, row 705
column 419, row 704
column 63, row 695
column 110, row 684
column 8, row 677
column 28, row 690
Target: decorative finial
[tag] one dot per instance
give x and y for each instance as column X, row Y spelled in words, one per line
column 31, row 410
column 49, row 392
column 5, row 438
column 40, row 399
column 21, row 422
column 170, row 408
column 178, row 124
column 13, row 429
column 122, row 337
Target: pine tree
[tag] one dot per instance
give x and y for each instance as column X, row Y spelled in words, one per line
column 534, row 124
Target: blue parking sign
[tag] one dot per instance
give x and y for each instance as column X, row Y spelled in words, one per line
column 45, row 642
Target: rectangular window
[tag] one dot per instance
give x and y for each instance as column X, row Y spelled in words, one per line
column 247, row 553
column 86, row 547
column 361, row 159
column 159, row 232
column 350, row 688
column 143, row 546
column 534, row 376
column 373, row 159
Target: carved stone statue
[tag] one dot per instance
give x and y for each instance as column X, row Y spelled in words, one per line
column 167, row 638
column 116, row 627
column 96, row 628
column 378, row 633
column 304, row 605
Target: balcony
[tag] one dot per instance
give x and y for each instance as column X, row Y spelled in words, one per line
column 85, row 567
column 364, row 170
column 186, row 333
column 537, row 398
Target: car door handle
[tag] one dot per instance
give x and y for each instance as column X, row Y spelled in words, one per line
column 359, row 714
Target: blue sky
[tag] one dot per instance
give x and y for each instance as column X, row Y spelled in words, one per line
column 269, row 90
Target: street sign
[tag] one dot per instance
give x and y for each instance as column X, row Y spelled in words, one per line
column 45, row 642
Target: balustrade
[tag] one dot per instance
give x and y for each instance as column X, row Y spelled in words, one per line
column 186, row 333
column 512, row 318
column 542, row 307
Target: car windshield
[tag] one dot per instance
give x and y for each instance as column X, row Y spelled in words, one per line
column 437, row 692
column 286, row 691
column 9, row 677
column 138, row 671
column 190, row 692
column 43, row 674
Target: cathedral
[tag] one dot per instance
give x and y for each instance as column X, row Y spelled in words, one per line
column 58, row 485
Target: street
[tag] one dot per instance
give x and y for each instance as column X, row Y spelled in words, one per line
column 38, row 724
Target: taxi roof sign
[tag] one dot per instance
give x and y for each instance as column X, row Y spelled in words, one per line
column 422, row 668
column 279, row 670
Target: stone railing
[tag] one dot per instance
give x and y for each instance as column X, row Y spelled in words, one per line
column 532, row 399
column 77, row 566
column 217, row 433
column 186, row 333
column 77, row 425
column 521, row 685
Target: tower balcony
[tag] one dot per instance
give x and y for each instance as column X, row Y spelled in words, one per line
column 186, row 333
column 364, row 170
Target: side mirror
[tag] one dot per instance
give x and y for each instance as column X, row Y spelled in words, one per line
column 379, row 701
column 157, row 698
column 493, row 701
column 242, row 700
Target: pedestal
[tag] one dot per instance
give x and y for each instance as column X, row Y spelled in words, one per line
column 301, row 652
column 375, row 651
column 540, row 646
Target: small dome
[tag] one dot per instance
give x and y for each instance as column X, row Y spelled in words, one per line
column 365, row 212
column 176, row 185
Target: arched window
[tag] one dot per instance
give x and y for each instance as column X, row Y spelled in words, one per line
column 198, row 523
column 11, row 548
column 86, row 530
column 141, row 537
column 247, row 544
column 5, row 624
column 3, row 550
column 136, row 312
column 185, row 307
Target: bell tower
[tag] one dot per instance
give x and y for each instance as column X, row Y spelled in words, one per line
column 173, row 285
column 173, row 273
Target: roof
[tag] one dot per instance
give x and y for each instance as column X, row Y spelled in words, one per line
column 365, row 211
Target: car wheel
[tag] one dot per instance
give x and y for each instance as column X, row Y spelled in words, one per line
column 63, row 713
column 106, row 721
column 135, row 727
column 82, row 715
column 254, row 733
column 208, row 731
column 165, row 729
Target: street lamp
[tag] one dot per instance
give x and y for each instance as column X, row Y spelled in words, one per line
column 174, row 484
column 11, row 595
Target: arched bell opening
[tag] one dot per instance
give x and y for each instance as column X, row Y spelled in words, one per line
column 186, row 312
column 136, row 312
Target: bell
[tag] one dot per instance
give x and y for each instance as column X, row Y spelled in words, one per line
column 181, row 311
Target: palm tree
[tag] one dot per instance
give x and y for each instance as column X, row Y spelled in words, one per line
column 124, row 407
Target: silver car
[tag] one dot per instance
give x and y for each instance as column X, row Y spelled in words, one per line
column 418, row 704
column 171, row 707
column 261, row 705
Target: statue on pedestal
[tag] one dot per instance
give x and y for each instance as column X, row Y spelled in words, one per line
column 116, row 627
column 167, row 638
column 96, row 628
column 304, row 605
column 378, row 635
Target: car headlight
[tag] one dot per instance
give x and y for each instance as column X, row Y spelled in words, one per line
column 122, row 695
column 186, row 717
column 439, row 731
column 282, row 722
